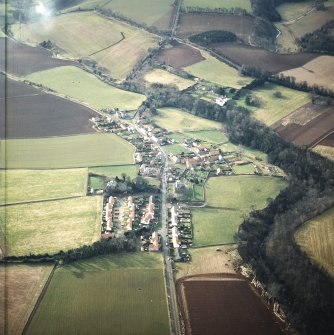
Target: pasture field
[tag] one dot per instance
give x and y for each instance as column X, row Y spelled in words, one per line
column 117, row 170
column 242, row 193
column 174, row 119
column 175, row 149
column 318, row 71
column 150, row 12
column 122, row 294
column 195, row 23
column 286, row 42
column 316, row 238
column 260, row 58
column 244, row 169
column 218, row 72
column 325, row 151
column 290, row 11
column 214, row 226
column 212, row 302
column 22, row 287
column 273, row 109
column 114, row 45
column 206, row 260
column 25, row 59
column 212, row 4
column 32, row 185
column 164, row 77
column 198, row 193
column 213, row 136
column 311, row 22
column 51, row 226
column 85, row 87
column 65, row 152
column 179, row 55
column 32, row 113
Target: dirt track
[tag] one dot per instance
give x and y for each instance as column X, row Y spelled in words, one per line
column 223, row 304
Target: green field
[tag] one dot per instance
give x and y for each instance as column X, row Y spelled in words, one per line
column 85, row 87
column 113, row 171
column 244, row 169
column 51, row 226
column 114, row 45
column 242, row 192
column 316, row 238
column 174, row 119
column 198, row 193
column 175, row 149
column 66, row 152
column 214, row 226
column 150, row 12
column 121, row 294
column 166, row 78
column 273, row 109
column 31, row 185
column 212, row 4
column 213, row 136
column 218, row 72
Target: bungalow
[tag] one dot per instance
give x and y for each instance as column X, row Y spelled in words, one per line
column 138, row 157
column 109, row 210
column 175, row 238
column 154, row 245
column 149, row 212
column 131, row 207
column 173, row 212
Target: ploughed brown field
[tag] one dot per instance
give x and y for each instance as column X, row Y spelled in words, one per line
column 196, row 23
column 314, row 131
column 180, row 55
column 23, row 59
column 219, row 304
column 32, row 113
column 260, row 58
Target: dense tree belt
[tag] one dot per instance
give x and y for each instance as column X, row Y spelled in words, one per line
column 213, row 36
column 265, row 239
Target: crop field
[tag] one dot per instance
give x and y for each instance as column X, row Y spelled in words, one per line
column 218, row 72
column 195, row 23
column 213, row 136
column 22, row 286
column 32, row 113
column 156, row 13
column 272, row 108
column 174, row 119
column 163, row 77
column 179, row 55
column 66, row 152
column 214, row 226
column 312, row 132
column 242, row 193
column 325, row 151
column 260, row 58
column 122, row 294
column 210, row 303
column 316, row 72
column 207, row 260
column 51, row 226
column 316, row 238
column 85, row 87
column 329, row 140
column 117, row 170
column 32, row 185
column 25, row 59
column 115, row 46
column 212, row 4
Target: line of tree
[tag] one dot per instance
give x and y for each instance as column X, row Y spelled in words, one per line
column 102, row 247
column 219, row 10
column 213, row 36
column 265, row 239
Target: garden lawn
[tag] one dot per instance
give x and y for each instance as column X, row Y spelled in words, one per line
column 218, row 72
column 243, row 193
column 66, row 152
column 48, row 227
column 174, row 119
column 32, row 185
column 213, row 226
column 85, row 87
column 122, row 294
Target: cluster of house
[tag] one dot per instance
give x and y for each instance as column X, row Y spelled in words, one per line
column 153, row 243
column 130, row 213
column 180, row 232
column 107, row 223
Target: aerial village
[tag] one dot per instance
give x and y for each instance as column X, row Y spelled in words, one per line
column 186, row 176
